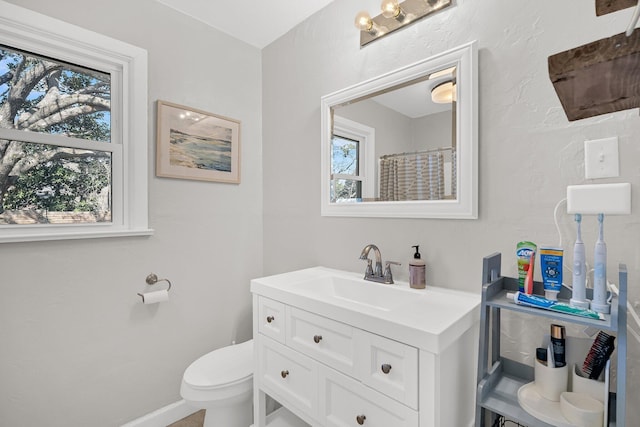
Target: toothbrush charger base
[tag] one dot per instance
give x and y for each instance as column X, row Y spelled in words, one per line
column 601, row 308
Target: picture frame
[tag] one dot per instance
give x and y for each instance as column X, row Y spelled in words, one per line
column 197, row 145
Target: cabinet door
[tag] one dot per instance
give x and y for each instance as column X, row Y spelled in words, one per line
column 290, row 377
column 388, row 366
column 345, row 402
column 321, row 338
column 271, row 318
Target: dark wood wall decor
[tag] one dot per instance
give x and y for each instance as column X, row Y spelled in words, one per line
column 607, row 6
column 599, row 77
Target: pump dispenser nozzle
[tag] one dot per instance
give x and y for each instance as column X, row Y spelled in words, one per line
column 417, row 254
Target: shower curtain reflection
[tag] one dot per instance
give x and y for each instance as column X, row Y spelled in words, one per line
column 420, row 175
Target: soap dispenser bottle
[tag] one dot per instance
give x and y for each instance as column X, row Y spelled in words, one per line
column 417, row 271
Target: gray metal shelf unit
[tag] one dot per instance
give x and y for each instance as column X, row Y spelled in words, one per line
column 500, row 378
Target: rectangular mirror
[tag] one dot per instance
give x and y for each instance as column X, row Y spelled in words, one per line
column 404, row 144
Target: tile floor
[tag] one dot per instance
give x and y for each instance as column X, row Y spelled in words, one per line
column 193, row 420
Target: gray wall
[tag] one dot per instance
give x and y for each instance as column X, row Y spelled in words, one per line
column 393, row 130
column 432, row 131
column 397, row 133
column 77, row 348
column 528, row 151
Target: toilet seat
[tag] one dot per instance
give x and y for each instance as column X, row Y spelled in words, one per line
column 220, row 368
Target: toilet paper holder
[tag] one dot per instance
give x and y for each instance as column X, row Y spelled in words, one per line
column 151, row 280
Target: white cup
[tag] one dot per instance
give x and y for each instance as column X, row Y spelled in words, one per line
column 593, row 388
column 550, row 382
column 582, row 410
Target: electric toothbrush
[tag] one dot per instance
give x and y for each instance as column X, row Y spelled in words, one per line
column 599, row 302
column 579, row 295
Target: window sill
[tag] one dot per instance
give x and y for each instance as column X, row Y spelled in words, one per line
column 72, row 235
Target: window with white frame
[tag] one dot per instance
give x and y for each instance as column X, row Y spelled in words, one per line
column 73, row 131
column 352, row 161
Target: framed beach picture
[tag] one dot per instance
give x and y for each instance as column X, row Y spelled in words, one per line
column 195, row 144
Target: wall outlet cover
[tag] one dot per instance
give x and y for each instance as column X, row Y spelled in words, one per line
column 601, row 158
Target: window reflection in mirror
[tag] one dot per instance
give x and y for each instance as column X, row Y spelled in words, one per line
column 352, row 161
column 345, row 169
column 413, row 155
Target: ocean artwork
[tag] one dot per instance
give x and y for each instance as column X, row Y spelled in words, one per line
column 201, row 152
column 194, row 144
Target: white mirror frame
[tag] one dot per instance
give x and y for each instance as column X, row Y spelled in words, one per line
column 466, row 204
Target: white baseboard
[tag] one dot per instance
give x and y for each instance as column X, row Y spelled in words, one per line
column 163, row 416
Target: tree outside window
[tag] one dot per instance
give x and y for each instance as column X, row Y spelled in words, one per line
column 345, row 165
column 64, row 177
column 352, row 161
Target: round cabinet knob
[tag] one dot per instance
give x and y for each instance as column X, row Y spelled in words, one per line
column 386, row 368
column 360, row 419
column 284, row 374
column 270, row 319
column 317, row 338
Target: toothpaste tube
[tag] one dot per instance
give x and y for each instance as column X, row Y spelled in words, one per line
column 528, row 280
column 521, row 298
column 551, row 266
column 524, row 252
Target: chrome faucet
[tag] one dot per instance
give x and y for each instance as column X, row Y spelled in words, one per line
column 376, row 274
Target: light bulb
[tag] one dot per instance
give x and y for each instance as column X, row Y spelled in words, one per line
column 390, row 8
column 364, row 21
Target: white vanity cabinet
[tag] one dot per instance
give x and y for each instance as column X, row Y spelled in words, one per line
column 347, row 402
column 330, row 342
column 289, row 375
column 336, row 363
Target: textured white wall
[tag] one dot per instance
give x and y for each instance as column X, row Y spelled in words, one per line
column 76, row 346
column 528, row 150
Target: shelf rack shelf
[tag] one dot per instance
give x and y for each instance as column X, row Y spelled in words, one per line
column 499, row 378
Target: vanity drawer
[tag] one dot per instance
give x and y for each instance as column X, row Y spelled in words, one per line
column 323, row 339
column 271, row 318
column 388, row 366
column 347, row 402
column 290, row 377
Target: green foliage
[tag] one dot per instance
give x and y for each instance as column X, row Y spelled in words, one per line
column 84, row 127
column 69, row 186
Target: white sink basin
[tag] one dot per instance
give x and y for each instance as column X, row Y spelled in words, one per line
column 433, row 316
column 358, row 291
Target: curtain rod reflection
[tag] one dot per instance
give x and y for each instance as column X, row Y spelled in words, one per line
column 411, row 153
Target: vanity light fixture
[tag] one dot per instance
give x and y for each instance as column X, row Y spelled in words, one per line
column 444, row 93
column 392, row 9
column 394, row 16
column 365, row 24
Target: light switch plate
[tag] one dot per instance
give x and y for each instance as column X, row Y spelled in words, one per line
column 601, row 158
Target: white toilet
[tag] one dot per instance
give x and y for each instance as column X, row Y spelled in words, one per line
column 222, row 383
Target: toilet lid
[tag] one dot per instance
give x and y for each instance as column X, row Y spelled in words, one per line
column 221, row 367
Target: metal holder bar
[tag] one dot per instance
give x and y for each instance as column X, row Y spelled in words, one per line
column 151, row 280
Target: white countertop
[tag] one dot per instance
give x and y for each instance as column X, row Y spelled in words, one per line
column 430, row 319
